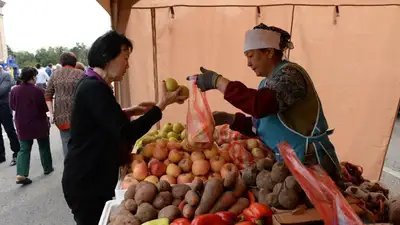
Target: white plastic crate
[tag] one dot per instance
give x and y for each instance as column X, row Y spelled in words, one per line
column 119, row 193
column 107, row 211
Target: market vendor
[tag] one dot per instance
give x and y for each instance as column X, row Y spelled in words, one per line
column 102, row 134
column 285, row 107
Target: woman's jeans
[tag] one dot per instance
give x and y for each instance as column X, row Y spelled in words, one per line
column 65, row 136
column 24, row 156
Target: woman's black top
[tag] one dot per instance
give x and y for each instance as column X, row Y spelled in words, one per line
column 101, row 139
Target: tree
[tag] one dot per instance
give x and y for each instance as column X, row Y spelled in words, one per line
column 44, row 56
column 10, row 51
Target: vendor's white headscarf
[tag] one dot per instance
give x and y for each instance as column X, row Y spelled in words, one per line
column 261, row 39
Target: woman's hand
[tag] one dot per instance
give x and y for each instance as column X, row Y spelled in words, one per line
column 169, row 97
column 140, row 109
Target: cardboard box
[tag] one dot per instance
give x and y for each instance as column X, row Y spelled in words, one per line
column 309, row 217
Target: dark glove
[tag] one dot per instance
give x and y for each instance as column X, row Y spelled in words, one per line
column 207, row 80
column 221, row 118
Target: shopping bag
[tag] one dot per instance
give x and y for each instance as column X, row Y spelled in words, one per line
column 199, row 121
column 320, row 189
column 239, row 155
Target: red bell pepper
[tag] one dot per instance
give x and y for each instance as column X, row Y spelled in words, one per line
column 208, row 219
column 181, row 221
column 258, row 213
column 245, row 223
column 226, row 216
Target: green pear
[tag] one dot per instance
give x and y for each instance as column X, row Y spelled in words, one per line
column 183, row 134
column 167, row 127
column 178, row 128
column 173, row 134
column 171, row 84
column 173, row 139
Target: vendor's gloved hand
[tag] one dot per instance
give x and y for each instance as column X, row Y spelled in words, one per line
column 207, row 80
column 221, row 118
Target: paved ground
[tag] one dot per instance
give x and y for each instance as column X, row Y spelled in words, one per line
column 391, row 170
column 42, row 202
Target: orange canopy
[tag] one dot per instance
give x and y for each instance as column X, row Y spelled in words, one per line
column 349, row 47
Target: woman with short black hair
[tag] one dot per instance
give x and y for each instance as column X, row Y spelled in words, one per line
column 102, row 134
column 27, row 100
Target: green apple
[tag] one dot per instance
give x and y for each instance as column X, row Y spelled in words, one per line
column 178, row 128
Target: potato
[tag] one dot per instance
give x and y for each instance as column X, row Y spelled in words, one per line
column 171, row 212
column 230, row 180
column 176, row 202
column 272, row 200
column 179, row 191
column 198, row 186
column 250, row 176
column 212, row 191
column 139, row 185
column 239, row 206
column 240, row 187
column 288, row 198
column 264, row 180
column 227, row 200
column 192, row 198
column 126, row 220
column 131, row 205
column 130, row 193
column 279, row 172
column 163, row 185
column 162, row 199
column 119, row 210
column 264, row 164
column 188, row 211
column 291, row 183
column 146, row 212
column 145, row 193
column 262, row 196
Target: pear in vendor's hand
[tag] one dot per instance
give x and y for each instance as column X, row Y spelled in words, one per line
column 171, row 84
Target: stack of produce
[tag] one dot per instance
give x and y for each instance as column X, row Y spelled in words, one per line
column 217, row 201
column 161, row 156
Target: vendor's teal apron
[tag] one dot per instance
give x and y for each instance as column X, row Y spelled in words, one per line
column 273, row 131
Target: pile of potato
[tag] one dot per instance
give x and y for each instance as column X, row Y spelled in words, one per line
column 272, row 184
column 146, row 201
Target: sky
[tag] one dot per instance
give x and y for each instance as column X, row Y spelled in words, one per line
column 32, row 24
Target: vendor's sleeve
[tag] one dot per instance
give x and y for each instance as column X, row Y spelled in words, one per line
column 243, row 124
column 289, row 85
column 258, row 103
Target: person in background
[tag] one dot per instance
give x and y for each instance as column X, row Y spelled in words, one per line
column 27, row 100
column 49, row 69
column 285, row 107
column 80, row 66
column 16, row 74
column 102, row 133
column 58, row 66
column 62, row 84
column 42, row 77
column 6, row 118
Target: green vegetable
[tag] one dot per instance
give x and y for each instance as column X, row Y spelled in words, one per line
column 162, row 221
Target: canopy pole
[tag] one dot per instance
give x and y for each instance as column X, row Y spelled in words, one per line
column 291, row 28
column 155, row 64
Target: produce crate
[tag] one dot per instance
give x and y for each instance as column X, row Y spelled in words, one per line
column 119, row 193
column 107, row 211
